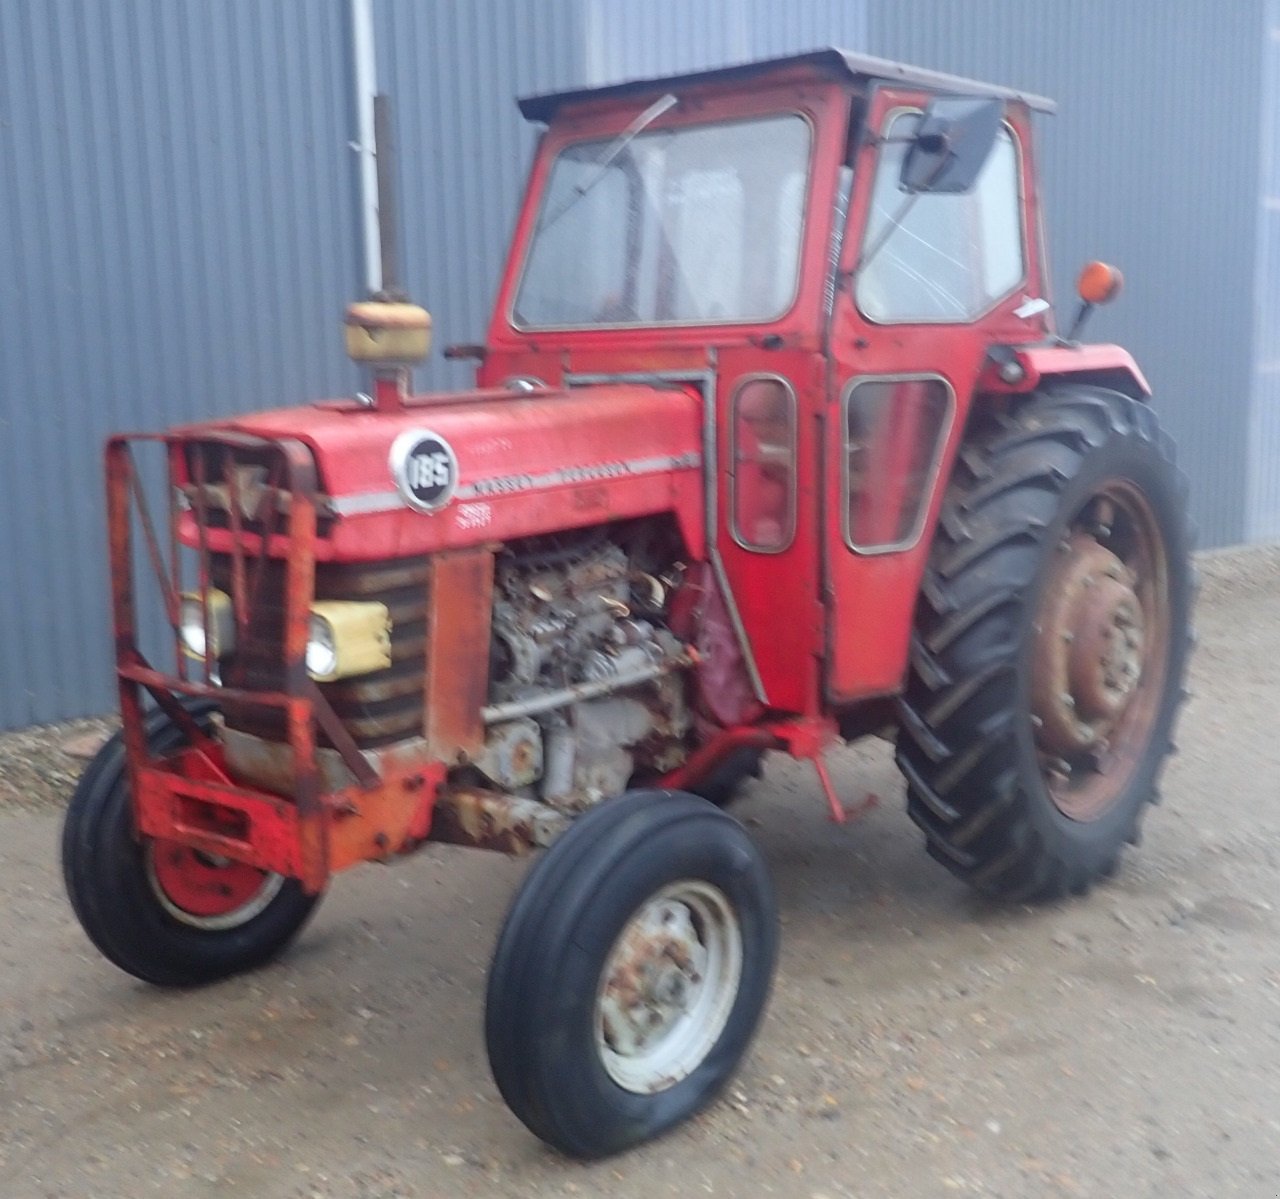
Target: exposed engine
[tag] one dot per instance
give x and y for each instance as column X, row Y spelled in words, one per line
column 576, row 621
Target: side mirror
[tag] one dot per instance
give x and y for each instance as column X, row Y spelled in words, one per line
column 952, row 143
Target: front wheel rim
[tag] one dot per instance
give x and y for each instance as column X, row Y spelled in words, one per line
column 204, row 891
column 668, row 987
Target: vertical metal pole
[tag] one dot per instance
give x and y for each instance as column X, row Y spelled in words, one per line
column 365, row 85
column 391, row 383
column 387, row 231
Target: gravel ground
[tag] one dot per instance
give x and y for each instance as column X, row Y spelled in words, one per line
column 36, row 767
column 919, row 1042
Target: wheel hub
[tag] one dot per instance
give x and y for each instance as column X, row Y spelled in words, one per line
column 668, row 987
column 1089, row 648
column 652, row 977
column 206, row 891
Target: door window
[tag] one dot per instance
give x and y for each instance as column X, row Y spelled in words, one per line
column 763, row 453
column 894, row 433
column 952, row 257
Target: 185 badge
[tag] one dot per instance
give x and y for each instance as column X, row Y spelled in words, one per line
column 425, row 469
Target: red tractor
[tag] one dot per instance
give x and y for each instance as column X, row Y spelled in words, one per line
column 774, row 444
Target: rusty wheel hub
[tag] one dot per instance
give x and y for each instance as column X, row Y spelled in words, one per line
column 668, row 987
column 1089, row 648
column 1100, row 652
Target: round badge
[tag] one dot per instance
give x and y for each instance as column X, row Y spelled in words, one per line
column 425, row 469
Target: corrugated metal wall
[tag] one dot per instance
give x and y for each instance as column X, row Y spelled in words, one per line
column 661, row 37
column 1264, row 439
column 176, row 220
column 179, row 220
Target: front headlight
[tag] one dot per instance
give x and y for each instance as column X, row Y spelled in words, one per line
column 348, row 638
column 221, row 624
column 322, row 654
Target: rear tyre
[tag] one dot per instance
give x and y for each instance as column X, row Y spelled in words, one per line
column 159, row 910
column 1051, row 638
column 631, row 972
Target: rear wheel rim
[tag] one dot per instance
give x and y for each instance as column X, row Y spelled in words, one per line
column 668, row 987
column 1101, row 652
column 206, row 891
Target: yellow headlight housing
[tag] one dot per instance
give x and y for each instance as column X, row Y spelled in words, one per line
column 348, row 637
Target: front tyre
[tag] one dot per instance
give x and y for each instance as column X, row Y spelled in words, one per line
column 162, row 911
column 1050, row 644
column 631, row 972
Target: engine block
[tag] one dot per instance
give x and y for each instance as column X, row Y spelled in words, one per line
column 581, row 613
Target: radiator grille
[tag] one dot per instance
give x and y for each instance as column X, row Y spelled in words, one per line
column 377, row 708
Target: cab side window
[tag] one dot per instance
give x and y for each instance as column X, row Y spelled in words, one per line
column 953, row 257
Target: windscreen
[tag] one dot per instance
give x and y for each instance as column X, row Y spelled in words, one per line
column 700, row 224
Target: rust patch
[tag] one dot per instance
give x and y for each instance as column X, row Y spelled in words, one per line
column 1102, row 645
column 460, row 600
column 492, row 820
column 1088, row 651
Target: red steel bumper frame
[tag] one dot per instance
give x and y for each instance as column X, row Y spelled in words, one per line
column 188, row 796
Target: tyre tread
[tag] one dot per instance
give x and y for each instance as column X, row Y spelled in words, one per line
column 956, row 742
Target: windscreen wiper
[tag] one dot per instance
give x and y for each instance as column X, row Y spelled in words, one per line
column 620, row 143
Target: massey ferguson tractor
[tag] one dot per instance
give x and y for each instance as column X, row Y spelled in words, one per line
column 776, row 443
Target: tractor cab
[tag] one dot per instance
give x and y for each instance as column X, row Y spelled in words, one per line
column 833, row 250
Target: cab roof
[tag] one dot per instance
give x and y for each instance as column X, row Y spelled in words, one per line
column 841, row 63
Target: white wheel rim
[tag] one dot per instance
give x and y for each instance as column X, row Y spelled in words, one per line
column 255, row 905
column 668, row 987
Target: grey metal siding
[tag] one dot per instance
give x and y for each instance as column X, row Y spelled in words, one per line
column 659, row 37
column 1264, row 439
column 176, row 217
column 1151, row 163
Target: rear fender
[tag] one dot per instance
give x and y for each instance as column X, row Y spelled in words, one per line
column 1014, row 370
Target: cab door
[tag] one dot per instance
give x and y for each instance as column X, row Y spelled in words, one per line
column 926, row 284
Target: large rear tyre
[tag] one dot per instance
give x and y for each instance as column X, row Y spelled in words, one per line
column 161, row 911
column 631, row 972
column 1051, row 639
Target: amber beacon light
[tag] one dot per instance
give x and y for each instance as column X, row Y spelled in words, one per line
column 1099, row 283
